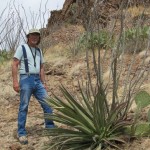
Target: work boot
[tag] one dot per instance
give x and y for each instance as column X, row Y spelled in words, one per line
column 23, row 140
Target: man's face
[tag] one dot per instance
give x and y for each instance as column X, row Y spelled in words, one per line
column 34, row 38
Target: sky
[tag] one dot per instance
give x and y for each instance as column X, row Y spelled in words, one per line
column 29, row 13
column 32, row 6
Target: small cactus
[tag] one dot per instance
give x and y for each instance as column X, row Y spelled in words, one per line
column 142, row 99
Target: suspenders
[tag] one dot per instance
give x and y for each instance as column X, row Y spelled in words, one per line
column 26, row 59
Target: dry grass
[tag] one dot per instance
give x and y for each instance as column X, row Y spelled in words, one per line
column 6, row 81
column 137, row 11
column 55, row 54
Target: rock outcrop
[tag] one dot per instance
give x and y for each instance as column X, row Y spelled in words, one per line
column 80, row 12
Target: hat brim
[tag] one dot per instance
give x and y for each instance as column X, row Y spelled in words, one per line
column 33, row 33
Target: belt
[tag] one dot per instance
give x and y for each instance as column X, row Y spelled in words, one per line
column 31, row 74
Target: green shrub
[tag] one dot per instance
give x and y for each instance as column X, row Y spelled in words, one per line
column 136, row 38
column 101, row 39
column 4, row 56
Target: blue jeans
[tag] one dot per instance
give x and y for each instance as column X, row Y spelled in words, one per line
column 31, row 84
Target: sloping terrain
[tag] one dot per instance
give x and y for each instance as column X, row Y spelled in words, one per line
column 59, row 69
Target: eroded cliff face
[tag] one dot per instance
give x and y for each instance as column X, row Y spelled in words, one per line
column 74, row 12
column 80, row 12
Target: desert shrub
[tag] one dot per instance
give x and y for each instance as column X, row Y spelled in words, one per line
column 136, row 38
column 4, row 56
column 101, row 39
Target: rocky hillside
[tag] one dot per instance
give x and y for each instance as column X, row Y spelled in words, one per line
column 79, row 11
column 67, row 24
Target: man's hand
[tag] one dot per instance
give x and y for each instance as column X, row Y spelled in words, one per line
column 16, row 86
column 15, row 64
column 45, row 86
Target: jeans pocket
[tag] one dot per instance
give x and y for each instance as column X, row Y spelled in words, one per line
column 23, row 77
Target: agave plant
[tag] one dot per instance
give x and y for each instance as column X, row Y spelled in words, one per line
column 90, row 125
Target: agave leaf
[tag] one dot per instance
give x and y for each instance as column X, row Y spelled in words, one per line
column 68, row 136
column 75, row 140
column 84, row 129
column 62, row 119
column 71, row 122
column 75, row 113
column 142, row 99
column 70, row 132
column 81, row 113
column 113, row 123
column 72, row 142
column 87, row 102
column 73, row 102
column 116, row 128
column 99, row 111
column 76, row 123
column 57, row 103
column 114, row 138
column 111, row 143
column 53, row 144
column 112, row 118
column 93, row 145
column 99, row 147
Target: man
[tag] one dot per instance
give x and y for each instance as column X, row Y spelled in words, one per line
column 29, row 59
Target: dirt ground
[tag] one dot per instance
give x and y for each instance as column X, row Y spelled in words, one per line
column 59, row 69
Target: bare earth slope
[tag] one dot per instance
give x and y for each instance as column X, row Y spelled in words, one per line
column 58, row 69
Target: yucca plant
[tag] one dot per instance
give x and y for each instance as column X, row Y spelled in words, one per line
column 96, row 116
column 93, row 126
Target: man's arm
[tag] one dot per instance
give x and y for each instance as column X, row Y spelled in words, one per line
column 42, row 75
column 15, row 65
